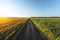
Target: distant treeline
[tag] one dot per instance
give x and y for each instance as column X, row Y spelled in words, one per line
column 45, row 17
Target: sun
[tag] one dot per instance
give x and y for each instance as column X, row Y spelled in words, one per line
column 4, row 12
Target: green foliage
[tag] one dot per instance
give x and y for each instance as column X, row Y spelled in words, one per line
column 49, row 25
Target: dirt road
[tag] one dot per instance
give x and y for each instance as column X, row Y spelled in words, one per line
column 30, row 33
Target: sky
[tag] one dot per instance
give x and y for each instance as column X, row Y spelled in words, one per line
column 28, row 8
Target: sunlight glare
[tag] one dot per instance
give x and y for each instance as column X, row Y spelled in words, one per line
column 4, row 12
